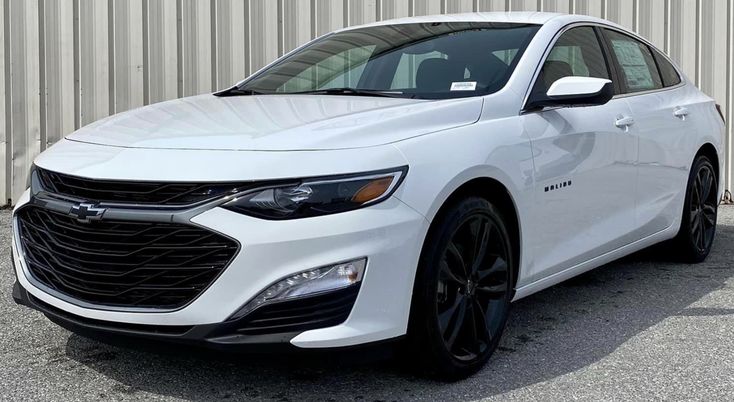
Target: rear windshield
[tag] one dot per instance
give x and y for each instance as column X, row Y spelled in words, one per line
column 432, row 61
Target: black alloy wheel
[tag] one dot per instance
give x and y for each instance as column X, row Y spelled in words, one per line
column 462, row 291
column 703, row 206
column 698, row 225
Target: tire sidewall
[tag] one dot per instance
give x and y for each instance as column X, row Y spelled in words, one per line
column 424, row 331
column 685, row 235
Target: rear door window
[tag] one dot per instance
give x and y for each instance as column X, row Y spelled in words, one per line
column 636, row 65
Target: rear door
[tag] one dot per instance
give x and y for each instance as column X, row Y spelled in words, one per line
column 585, row 164
column 653, row 89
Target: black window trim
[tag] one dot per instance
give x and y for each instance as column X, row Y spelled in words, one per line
column 605, row 50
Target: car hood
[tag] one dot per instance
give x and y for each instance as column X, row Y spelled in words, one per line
column 278, row 122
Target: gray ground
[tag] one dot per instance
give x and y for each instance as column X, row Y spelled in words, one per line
column 638, row 329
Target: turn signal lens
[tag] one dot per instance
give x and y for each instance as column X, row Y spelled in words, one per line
column 372, row 190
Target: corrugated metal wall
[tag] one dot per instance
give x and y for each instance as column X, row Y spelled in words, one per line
column 67, row 63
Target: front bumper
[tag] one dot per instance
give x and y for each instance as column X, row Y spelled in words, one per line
column 213, row 336
column 389, row 234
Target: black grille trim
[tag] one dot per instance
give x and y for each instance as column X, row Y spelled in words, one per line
column 148, row 265
column 303, row 314
column 167, row 330
column 132, row 193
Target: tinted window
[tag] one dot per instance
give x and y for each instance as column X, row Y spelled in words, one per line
column 636, row 66
column 577, row 53
column 438, row 60
column 667, row 71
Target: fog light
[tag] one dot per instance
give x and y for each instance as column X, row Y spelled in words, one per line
column 308, row 283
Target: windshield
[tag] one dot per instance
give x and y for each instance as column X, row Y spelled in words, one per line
column 430, row 61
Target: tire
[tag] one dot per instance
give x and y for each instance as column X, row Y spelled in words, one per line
column 446, row 338
column 698, row 223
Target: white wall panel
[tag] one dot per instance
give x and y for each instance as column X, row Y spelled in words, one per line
column 93, row 60
column 684, row 35
column 556, row 6
column 492, row 5
column 67, row 63
column 524, row 5
column 651, row 21
column 4, row 129
column 459, row 6
column 622, row 12
column 327, row 16
column 297, row 29
column 712, row 60
column 22, row 87
column 427, row 7
column 390, row 9
column 160, row 29
column 263, row 33
column 127, row 55
column 589, row 7
column 361, row 11
column 195, row 47
column 56, row 69
column 229, row 46
column 730, row 99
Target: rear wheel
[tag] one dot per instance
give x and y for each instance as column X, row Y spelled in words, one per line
column 698, row 225
column 462, row 292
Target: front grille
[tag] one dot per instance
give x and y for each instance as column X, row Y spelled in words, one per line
column 138, row 193
column 321, row 311
column 122, row 263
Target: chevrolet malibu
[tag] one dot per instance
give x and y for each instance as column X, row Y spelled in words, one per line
column 404, row 180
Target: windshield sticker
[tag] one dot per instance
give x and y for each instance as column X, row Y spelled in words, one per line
column 464, row 86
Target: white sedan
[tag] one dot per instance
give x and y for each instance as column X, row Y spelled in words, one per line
column 404, row 180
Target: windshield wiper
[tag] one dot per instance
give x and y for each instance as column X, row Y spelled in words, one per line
column 235, row 91
column 351, row 92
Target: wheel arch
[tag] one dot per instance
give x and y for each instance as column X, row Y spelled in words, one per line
column 496, row 192
column 709, row 150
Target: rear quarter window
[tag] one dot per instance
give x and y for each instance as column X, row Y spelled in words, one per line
column 668, row 73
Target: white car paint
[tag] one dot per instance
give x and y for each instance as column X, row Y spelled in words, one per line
column 568, row 86
column 627, row 192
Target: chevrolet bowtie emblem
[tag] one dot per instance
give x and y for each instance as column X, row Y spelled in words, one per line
column 86, row 212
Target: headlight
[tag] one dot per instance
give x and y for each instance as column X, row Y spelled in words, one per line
column 319, row 196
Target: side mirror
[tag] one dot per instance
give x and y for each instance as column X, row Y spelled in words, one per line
column 575, row 91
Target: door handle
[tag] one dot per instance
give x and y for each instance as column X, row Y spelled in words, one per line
column 681, row 113
column 624, row 122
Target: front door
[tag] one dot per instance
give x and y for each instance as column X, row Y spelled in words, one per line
column 585, row 165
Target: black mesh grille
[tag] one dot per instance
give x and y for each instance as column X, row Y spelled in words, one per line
column 116, row 263
column 141, row 193
column 313, row 312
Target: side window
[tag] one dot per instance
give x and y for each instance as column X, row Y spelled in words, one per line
column 576, row 53
column 667, row 71
column 636, row 66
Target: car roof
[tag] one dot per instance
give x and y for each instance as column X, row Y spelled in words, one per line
column 520, row 17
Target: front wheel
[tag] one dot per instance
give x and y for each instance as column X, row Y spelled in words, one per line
column 462, row 292
column 698, row 225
